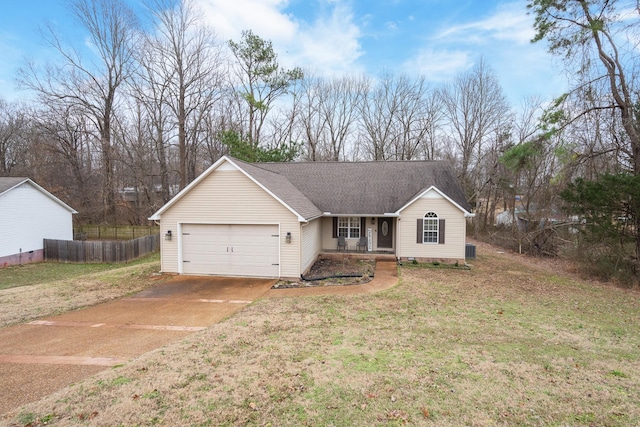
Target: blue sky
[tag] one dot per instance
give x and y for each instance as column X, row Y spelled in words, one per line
column 435, row 38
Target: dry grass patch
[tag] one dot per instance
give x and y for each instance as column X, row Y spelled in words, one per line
column 503, row 344
column 81, row 287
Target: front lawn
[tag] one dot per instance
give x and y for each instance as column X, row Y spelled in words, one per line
column 34, row 274
column 505, row 343
column 36, row 290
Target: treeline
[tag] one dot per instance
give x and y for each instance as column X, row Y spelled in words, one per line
column 120, row 127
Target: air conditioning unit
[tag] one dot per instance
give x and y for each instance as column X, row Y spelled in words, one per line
column 470, row 251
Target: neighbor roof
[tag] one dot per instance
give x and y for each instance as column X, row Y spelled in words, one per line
column 8, row 183
column 358, row 188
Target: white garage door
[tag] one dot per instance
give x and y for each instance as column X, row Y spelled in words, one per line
column 231, row 250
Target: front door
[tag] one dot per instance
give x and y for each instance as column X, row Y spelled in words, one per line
column 385, row 232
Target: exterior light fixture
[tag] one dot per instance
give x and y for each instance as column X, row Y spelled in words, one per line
column 168, row 235
column 288, row 238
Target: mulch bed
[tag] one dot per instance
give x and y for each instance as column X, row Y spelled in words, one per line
column 324, row 270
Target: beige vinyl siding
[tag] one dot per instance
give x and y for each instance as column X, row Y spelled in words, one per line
column 455, row 229
column 229, row 197
column 329, row 242
column 311, row 243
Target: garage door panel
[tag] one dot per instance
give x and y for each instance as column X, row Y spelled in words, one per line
column 234, row 250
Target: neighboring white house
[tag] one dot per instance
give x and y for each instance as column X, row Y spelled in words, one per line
column 274, row 219
column 29, row 214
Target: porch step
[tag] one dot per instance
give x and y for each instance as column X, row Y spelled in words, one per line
column 377, row 255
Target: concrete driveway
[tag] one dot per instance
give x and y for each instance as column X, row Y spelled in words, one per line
column 42, row 356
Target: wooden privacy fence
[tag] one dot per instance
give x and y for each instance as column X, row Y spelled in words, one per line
column 113, row 232
column 110, row 252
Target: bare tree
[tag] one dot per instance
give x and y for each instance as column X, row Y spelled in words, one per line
column 340, row 111
column 150, row 89
column 378, row 114
column 139, row 197
column 184, row 60
column 14, row 136
column 473, row 105
column 417, row 119
column 91, row 87
column 284, row 131
column 329, row 113
column 310, row 118
column 66, row 156
column 399, row 118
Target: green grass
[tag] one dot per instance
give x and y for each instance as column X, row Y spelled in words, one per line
column 34, row 274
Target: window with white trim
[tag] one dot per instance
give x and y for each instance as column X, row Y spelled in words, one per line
column 349, row 227
column 430, row 228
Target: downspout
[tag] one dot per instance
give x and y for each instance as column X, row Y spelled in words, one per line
column 396, row 243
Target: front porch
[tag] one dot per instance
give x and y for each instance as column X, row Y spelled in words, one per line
column 374, row 234
column 379, row 255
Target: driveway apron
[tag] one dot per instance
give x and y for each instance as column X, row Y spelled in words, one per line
column 40, row 357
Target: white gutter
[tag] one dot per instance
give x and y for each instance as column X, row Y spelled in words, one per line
column 377, row 215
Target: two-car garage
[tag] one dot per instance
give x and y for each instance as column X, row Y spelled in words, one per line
column 231, row 249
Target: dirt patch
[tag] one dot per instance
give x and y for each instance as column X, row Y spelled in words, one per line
column 542, row 263
column 334, row 272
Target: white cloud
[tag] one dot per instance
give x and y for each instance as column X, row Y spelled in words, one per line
column 390, row 25
column 331, row 43
column 328, row 45
column 503, row 41
column 503, row 37
column 264, row 17
column 438, row 65
column 509, row 23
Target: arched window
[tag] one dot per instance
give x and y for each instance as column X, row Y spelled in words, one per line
column 430, row 228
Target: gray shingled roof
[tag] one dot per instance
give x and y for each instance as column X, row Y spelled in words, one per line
column 6, row 183
column 354, row 188
column 9, row 182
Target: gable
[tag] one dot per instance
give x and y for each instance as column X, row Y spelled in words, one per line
column 9, row 184
column 229, row 196
column 228, row 190
column 433, row 193
column 29, row 215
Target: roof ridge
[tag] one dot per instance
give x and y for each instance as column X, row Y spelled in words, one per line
column 257, row 164
column 347, row 162
column 341, row 162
